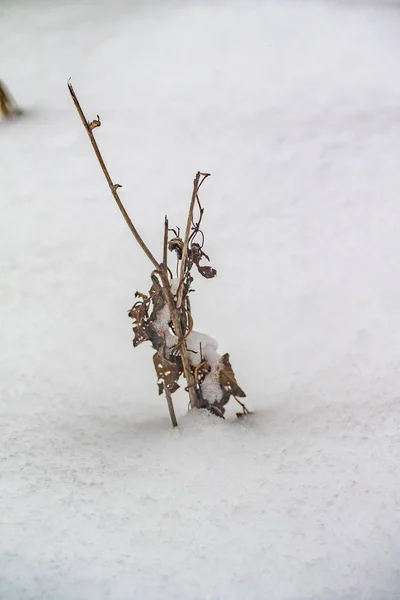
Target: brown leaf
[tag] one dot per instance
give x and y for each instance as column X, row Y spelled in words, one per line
column 176, row 245
column 196, row 255
column 168, row 373
column 201, row 370
column 140, row 316
column 227, row 378
column 207, row 272
column 141, row 334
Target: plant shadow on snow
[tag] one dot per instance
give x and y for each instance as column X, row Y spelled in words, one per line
column 106, row 428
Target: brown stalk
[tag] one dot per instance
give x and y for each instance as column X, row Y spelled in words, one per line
column 165, row 246
column 170, row 407
column 196, row 186
column 176, row 321
column 113, row 186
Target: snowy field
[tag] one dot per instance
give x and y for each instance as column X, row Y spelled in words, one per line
column 294, row 107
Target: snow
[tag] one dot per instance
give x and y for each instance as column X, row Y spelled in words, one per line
column 174, row 283
column 202, row 346
column 294, row 109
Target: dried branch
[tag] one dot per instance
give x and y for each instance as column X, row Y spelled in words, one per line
column 196, row 186
column 113, row 187
column 244, row 407
column 165, row 246
column 196, row 226
column 171, row 408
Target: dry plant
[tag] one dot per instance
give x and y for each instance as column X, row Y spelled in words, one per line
column 163, row 316
column 8, row 106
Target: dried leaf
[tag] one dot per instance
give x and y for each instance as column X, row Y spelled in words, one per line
column 141, row 334
column 201, row 370
column 227, row 379
column 140, row 316
column 196, row 255
column 207, row 272
column 168, row 373
column 142, row 296
column 176, row 245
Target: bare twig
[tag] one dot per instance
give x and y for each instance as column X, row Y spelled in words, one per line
column 113, row 187
column 165, row 247
column 245, row 409
column 187, row 233
column 170, row 407
column 196, row 186
column 196, row 226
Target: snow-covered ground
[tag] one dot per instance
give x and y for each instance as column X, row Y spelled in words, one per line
column 294, row 107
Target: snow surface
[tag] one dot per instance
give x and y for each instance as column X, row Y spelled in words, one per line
column 294, row 107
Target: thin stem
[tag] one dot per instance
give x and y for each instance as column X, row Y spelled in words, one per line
column 175, row 317
column 196, row 186
column 113, row 187
column 165, row 247
column 186, row 240
column 245, row 409
column 170, row 407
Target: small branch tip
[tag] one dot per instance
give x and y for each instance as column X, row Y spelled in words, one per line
column 95, row 123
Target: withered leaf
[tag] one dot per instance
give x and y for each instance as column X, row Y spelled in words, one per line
column 207, row 272
column 176, row 245
column 227, row 378
column 139, row 314
column 168, row 373
column 201, row 370
column 142, row 296
column 196, row 255
column 141, row 334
